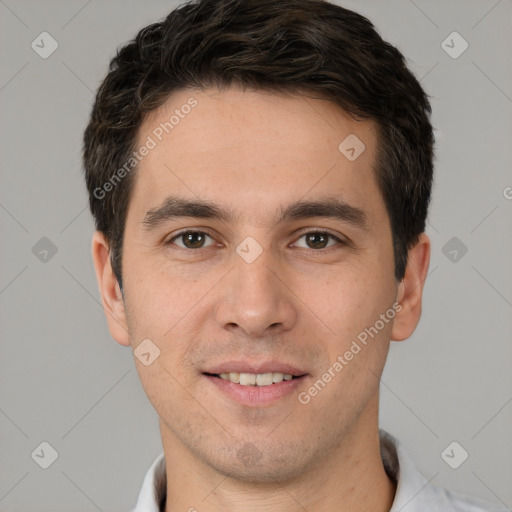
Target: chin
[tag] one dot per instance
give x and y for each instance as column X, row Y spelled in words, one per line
column 260, row 463
column 265, row 474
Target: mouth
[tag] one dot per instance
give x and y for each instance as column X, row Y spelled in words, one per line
column 255, row 379
column 256, row 385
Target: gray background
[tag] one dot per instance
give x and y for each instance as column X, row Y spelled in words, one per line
column 64, row 381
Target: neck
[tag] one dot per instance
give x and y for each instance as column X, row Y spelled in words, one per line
column 351, row 477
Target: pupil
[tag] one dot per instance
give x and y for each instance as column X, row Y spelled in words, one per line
column 317, row 239
column 194, row 240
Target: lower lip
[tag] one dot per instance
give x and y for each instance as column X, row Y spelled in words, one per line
column 256, row 395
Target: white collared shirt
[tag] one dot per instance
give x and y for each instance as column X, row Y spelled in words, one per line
column 413, row 493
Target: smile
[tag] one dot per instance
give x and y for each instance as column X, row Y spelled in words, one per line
column 256, row 389
column 256, row 379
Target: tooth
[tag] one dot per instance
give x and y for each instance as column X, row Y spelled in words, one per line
column 247, row 379
column 264, row 379
column 234, row 377
column 252, row 379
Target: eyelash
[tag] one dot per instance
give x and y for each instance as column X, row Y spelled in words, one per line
column 314, row 231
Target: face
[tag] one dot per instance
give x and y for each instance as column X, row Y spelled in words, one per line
column 254, row 245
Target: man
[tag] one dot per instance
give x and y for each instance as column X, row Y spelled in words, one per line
column 260, row 173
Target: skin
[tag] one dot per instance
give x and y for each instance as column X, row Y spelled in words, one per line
column 299, row 302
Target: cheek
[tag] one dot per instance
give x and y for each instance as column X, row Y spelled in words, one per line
column 155, row 301
column 351, row 306
column 357, row 341
column 348, row 300
column 165, row 308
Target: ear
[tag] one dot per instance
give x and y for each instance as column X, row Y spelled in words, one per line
column 410, row 290
column 111, row 297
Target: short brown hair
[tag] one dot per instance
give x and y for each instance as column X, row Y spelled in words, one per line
column 308, row 47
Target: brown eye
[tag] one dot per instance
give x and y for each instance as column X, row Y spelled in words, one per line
column 190, row 239
column 318, row 240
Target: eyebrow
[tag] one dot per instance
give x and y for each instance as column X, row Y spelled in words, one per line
column 330, row 207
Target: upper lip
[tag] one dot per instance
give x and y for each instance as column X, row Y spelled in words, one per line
column 255, row 367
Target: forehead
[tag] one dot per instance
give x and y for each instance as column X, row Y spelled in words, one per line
column 255, row 151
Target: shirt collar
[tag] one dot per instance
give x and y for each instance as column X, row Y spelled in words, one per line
column 413, row 493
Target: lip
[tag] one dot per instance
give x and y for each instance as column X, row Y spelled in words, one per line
column 256, row 367
column 256, row 396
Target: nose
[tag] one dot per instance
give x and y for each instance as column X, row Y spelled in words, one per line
column 256, row 300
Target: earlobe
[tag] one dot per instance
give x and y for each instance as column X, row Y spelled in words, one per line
column 111, row 296
column 410, row 290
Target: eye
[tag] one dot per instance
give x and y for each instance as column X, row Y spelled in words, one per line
column 318, row 240
column 190, row 239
